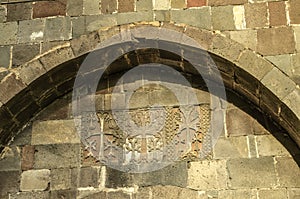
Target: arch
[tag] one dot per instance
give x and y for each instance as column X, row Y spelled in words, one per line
column 36, row 84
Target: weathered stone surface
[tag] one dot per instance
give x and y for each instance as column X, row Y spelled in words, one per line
column 277, row 13
column 54, row 132
column 162, row 5
column 10, row 182
column 56, row 57
column 74, row 7
column 288, row 172
column 238, row 123
column 276, row 194
column 219, row 14
column 292, row 101
column 60, row 179
column 31, row 71
column 108, row 6
column 252, row 173
column 224, row 2
column 233, row 147
column 89, row 177
column 11, row 85
column 295, row 60
column 85, row 43
column 246, row 37
column 91, row 7
column 294, row 193
column 117, row 195
column 23, row 53
column 97, row 21
column 27, row 158
column 256, row 15
column 31, row 30
column 126, row 5
column 142, row 193
column 239, row 193
column 294, row 11
column 297, row 37
column 278, row 83
column 58, row 156
column 2, row 13
column 268, row 146
column 29, row 195
column 49, row 8
column 204, row 38
column 175, row 192
column 35, row 180
column 58, row 28
column 197, row 17
column 10, row 160
column 207, row 175
column 143, row 5
column 196, row 3
column 5, row 56
column 269, row 41
column 91, row 195
column 63, row 194
column 239, row 17
column 19, row 11
column 130, row 17
column 10, row 30
column 283, row 62
column 178, row 4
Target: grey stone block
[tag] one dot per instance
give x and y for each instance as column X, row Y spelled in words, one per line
column 2, row 13
column 10, row 30
column 89, row 177
column 60, row 179
column 10, row 182
column 97, row 21
column 74, row 7
column 5, row 56
column 58, row 28
column 130, row 17
column 31, row 30
column 288, row 172
column 23, row 53
column 234, row 147
column 29, row 195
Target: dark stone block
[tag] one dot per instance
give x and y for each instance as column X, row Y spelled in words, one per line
column 21, row 101
column 10, row 182
column 11, row 160
column 4, row 56
column 23, row 53
column 19, row 11
column 11, row 85
column 117, row 195
column 63, row 194
column 108, row 6
column 88, row 177
column 49, row 8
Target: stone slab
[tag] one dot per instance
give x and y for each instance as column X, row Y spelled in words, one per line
column 35, row 180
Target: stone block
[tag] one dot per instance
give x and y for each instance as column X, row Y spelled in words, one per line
column 207, row 175
column 58, row 28
column 29, row 195
column 63, row 194
column 288, row 172
column 10, row 30
column 278, row 83
column 178, row 4
column 219, row 14
column 74, row 7
column 268, row 145
column 91, row 7
column 126, row 5
column 200, row 18
column 23, row 53
column 252, row 173
column 10, row 160
column 162, row 5
column 54, row 132
column 35, row 180
column 283, row 62
column 204, row 38
column 294, row 7
column 297, row 37
column 276, row 194
column 108, row 6
column 233, row 147
column 98, row 21
column 238, row 123
column 78, row 26
column 91, row 194
column 49, row 8
column 142, row 193
column 11, row 85
column 31, row 30
column 131, row 17
column 175, row 192
column 60, row 179
column 294, row 193
column 239, row 193
column 246, row 37
column 269, row 41
column 292, row 101
column 226, row 2
column 89, row 177
column 118, row 195
column 31, row 71
column 19, row 11
column 9, row 183
column 144, row 5
column 295, row 63
column 196, row 3
column 277, row 13
column 27, row 158
column 239, row 17
column 2, row 13
column 57, row 156
column 5, row 56
column 256, row 15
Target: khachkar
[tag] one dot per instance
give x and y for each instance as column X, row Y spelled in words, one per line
column 153, row 138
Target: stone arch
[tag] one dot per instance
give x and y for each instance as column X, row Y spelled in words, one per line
column 37, row 83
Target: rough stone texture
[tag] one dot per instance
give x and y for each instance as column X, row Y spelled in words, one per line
column 243, row 193
column 256, row 15
column 60, row 179
column 58, row 156
column 288, row 172
column 89, row 177
column 283, row 62
column 143, row 5
column 278, row 83
column 31, row 30
column 276, row 194
column 294, row 11
column 10, row 182
column 23, row 53
column 35, row 180
column 10, row 160
column 175, row 192
column 219, row 14
column 63, row 194
column 30, row 71
column 74, row 7
column 27, row 158
column 246, row 37
column 207, row 175
column 179, row 16
column 294, row 193
column 19, row 11
column 54, row 132
column 268, row 146
column 196, row 3
column 269, row 41
column 9, row 29
column 162, row 5
column 277, row 13
column 126, row 5
column 178, row 4
column 29, row 195
column 91, row 7
column 224, row 2
column 233, row 147
column 291, row 101
column 5, row 56
column 238, row 122
column 58, row 28
column 85, row 44
column 12, row 86
column 96, row 22
column 108, row 6
column 118, row 195
column 49, row 8
column 2, row 13
column 297, row 35
column 252, row 173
